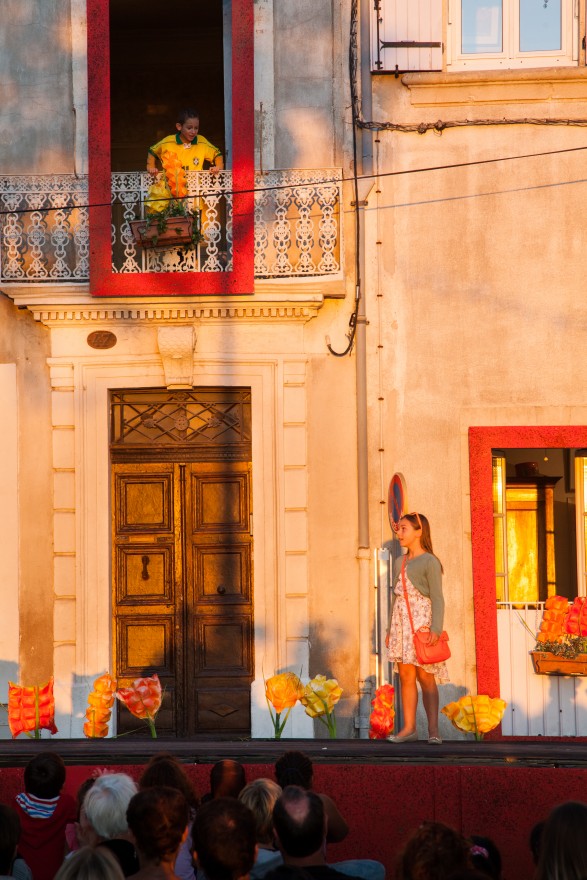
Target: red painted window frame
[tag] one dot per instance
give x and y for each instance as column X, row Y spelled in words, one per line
column 481, row 443
column 105, row 282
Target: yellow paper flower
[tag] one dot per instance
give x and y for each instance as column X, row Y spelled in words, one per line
column 475, row 714
column 319, row 698
column 100, row 702
column 282, row 691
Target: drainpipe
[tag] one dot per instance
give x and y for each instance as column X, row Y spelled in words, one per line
column 365, row 169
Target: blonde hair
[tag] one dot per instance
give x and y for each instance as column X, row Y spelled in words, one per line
column 421, row 524
column 260, row 796
column 90, row 863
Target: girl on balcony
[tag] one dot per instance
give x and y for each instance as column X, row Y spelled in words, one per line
column 422, row 573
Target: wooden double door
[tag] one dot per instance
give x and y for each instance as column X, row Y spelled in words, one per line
column 182, row 591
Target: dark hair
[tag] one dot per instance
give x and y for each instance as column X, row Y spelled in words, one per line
column 44, row 775
column 303, row 836
column 165, row 769
column 563, row 846
column 223, row 836
column 433, row 852
column 9, row 835
column 186, row 113
column 158, row 818
column 82, row 792
column 534, row 840
column 485, row 856
column 227, row 779
column 294, row 768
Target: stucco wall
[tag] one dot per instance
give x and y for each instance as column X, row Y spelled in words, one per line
column 28, row 608
column 37, row 119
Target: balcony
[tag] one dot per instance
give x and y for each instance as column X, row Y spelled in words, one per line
column 44, row 233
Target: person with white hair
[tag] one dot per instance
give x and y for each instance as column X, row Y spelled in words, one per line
column 103, row 818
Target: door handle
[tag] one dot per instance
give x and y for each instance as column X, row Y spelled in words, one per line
column 221, row 589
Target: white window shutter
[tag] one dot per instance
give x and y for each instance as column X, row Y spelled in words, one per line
column 406, row 35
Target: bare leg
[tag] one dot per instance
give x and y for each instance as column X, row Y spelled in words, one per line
column 407, row 676
column 429, row 698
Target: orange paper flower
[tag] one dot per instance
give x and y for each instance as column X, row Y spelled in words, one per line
column 282, row 691
column 174, row 174
column 553, row 624
column 31, row 709
column 143, row 699
column 475, row 714
column 100, row 702
column 383, row 714
column 576, row 619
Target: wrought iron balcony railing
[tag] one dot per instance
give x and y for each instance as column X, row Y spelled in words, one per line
column 44, row 233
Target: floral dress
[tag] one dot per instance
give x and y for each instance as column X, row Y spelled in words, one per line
column 401, row 641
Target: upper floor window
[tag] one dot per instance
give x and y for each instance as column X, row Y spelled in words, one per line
column 508, row 34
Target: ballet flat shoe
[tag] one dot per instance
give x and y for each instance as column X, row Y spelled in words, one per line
column 411, row 737
column 435, row 740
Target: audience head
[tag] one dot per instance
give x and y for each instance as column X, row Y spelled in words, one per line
column 434, row 852
column 158, row 818
column 260, row 797
column 485, row 856
column 227, row 779
column 90, row 863
column 563, row 845
column 9, row 836
column 223, row 836
column 106, row 803
column 44, row 775
column 299, row 822
column 534, row 840
column 294, row 768
column 164, row 769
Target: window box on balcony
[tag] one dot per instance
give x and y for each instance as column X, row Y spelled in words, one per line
column 164, row 232
column 546, row 663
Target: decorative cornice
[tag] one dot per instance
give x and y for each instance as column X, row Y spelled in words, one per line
column 301, row 308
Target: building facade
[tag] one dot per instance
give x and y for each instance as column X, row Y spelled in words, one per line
column 195, row 483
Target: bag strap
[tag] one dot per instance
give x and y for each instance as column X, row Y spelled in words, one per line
column 406, row 594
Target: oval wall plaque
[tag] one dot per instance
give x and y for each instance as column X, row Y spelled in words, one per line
column 102, row 339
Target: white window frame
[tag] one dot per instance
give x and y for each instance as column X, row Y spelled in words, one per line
column 511, row 58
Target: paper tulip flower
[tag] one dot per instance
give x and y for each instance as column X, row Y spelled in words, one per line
column 319, row 698
column 553, row 623
column 143, row 699
column 100, row 702
column 282, row 691
column 383, row 713
column 475, row 714
column 31, row 709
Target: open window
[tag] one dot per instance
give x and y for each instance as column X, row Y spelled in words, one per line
column 531, row 544
column 146, row 60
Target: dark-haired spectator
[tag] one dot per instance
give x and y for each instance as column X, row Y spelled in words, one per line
column 103, row 818
column 563, row 845
column 158, row 818
column 485, row 856
column 227, row 779
column 224, row 839
column 90, row 863
column 43, row 813
column 164, row 769
column 11, row 865
column 73, row 835
column 295, row 768
column 299, row 822
column 260, row 797
column 535, row 839
column 434, row 852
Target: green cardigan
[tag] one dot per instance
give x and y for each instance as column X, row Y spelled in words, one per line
column 425, row 573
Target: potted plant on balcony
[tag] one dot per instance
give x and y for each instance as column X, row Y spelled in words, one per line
column 168, row 222
column 561, row 643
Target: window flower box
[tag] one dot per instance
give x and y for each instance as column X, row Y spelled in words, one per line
column 171, row 232
column 547, row 663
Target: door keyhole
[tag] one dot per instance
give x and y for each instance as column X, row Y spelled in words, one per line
column 145, row 574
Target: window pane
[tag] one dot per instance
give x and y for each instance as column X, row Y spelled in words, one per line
column 481, row 23
column 540, row 25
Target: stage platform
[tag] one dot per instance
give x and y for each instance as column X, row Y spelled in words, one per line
column 496, row 788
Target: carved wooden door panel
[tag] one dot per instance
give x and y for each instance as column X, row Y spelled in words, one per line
column 148, row 594
column 220, row 624
column 182, row 591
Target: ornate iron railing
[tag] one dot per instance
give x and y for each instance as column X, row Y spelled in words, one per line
column 44, row 233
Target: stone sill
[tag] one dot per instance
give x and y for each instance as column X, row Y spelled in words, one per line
column 528, row 86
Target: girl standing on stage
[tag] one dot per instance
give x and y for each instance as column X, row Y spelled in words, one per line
column 423, row 577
